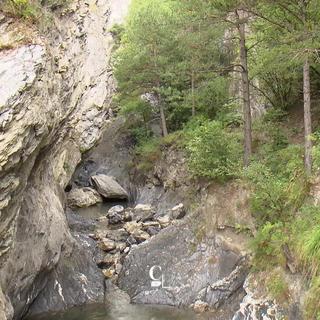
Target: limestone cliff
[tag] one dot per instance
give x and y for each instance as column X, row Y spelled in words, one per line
column 54, row 100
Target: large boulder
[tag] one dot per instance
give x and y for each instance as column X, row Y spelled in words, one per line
column 76, row 280
column 178, row 267
column 108, row 187
column 142, row 212
column 83, row 197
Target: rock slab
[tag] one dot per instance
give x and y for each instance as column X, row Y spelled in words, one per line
column 108, row 187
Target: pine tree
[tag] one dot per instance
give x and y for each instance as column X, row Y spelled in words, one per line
column 141, row 63
column 232, row 13
column 292, row 28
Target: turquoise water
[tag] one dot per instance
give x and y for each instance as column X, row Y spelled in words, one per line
column 126, row 312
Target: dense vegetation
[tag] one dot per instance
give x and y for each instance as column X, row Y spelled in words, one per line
column 180, row 63
column 31, row 10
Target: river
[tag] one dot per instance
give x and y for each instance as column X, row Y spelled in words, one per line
column 124, row 312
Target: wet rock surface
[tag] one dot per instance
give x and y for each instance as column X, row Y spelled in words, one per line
column 83, row 197
column 75, row 281
column 108, row 187
column 189, row 270
column 54, row 102
column 254, row 306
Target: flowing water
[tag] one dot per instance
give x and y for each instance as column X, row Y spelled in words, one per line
column 125, row 312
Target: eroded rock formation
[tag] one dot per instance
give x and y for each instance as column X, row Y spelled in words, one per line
column 54, row 100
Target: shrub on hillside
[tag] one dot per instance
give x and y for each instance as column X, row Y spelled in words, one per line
column 213, row 151
column 279, row 185
column 267, row 246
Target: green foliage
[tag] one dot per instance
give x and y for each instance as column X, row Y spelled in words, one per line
column 164, row 49
column 26, row 9
column 269, row 135
column 214, row 152
column 211, row 96
column 31, row 10
column 148, row 152
column 277, row 286
column 267, row 246
column 274, row 115
column 306, row 235
column 230, row 115
column 117, row 32
column 279, row 185
column 312, row 301
column 316, row 151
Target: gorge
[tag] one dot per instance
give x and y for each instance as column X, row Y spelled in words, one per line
column 89, row 229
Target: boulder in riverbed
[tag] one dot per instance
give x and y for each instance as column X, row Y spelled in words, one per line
column 108, row 187
column 164, row 221
column 200, row 306
column 143, row 212
column 116, row 214
column 83, row 197
column 191, row 270
column 107, row 245
column 178, row 212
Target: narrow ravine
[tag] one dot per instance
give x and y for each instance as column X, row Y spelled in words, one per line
column 159, row 160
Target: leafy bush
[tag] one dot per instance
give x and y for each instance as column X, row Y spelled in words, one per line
column 274, row 115
column 267, row 246
column 312, row 302
column 316, row 151
column 279, row 185
column 277, row 286
column 210, row 96
column 31, row 10
column 117, row 32
column 230, row 115
column 148, row 153
column 27, row 9
column 306, row 239
column 213, row 151
column 269, row 137
column 149, row 149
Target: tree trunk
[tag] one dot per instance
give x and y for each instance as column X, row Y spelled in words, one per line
column 163, row 120
column 307, row 117
column 192, row 93
column 245, row 92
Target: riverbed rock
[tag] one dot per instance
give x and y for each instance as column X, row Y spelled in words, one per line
column 115, row 209
column 83, row 197
column 200, row 306
column 164, row 221
column 107, row 244
column 109, row 273
column 140, row 235
column 190, row 270
column 143, row 212
column 132, row 226
column 108, row 187
column 107, row 261
column 178, row 212
column 116, row 215
column 76, row 272
column 258, row 306
column 152, row 230
column 121, row 246
column 119, row 235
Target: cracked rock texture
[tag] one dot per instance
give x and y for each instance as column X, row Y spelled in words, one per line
column 54, row 100
column 206, row 269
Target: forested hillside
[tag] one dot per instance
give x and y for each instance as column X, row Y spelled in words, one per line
column 234, row 84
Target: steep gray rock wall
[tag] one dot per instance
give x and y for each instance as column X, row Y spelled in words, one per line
column 54, row 100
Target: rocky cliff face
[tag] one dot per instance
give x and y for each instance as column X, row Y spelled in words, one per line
column 54, row 100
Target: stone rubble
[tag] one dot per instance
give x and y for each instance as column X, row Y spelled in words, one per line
column 121, row 235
